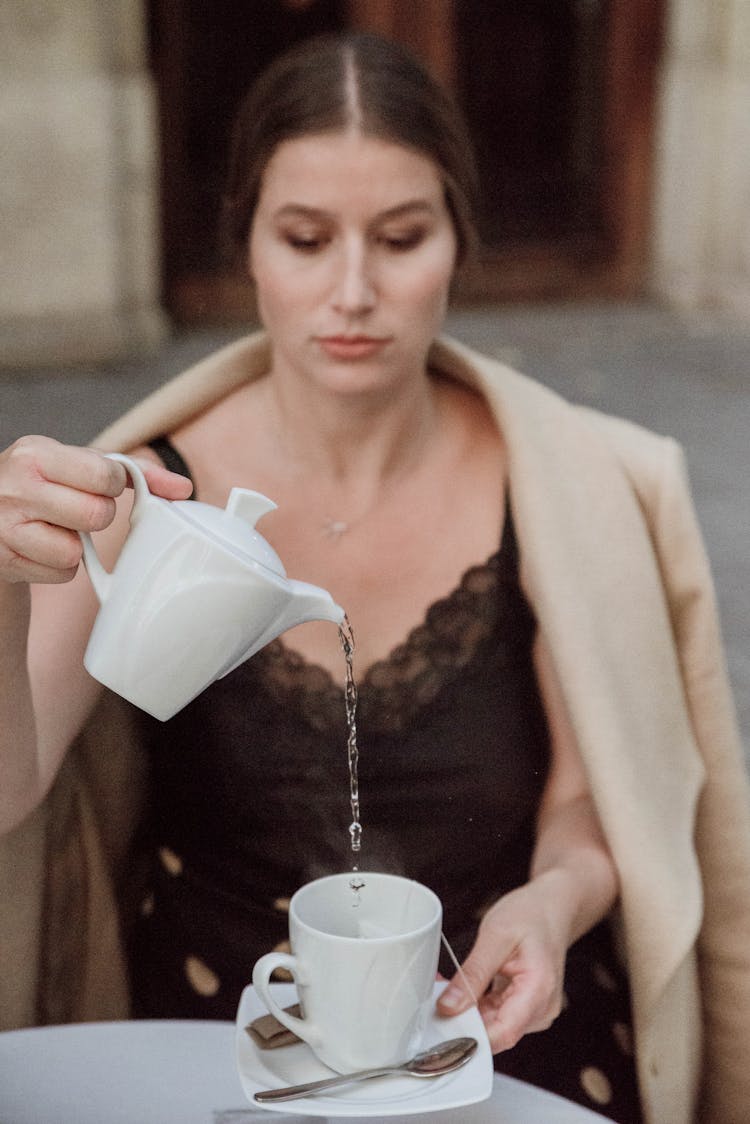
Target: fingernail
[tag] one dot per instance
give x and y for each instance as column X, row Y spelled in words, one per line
column 452, row 998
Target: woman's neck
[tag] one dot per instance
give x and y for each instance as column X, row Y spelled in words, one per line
column 352, row 443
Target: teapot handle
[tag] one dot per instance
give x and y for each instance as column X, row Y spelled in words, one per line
column 99, row 577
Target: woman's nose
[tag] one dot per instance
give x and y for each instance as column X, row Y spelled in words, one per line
column 354, row 290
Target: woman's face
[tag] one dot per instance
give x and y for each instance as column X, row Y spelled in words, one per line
column 352, row 250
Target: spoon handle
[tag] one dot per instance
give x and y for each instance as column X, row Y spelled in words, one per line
column 292, row 1092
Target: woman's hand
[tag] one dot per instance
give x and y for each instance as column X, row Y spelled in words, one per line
column 49, row 492
column 516, row 967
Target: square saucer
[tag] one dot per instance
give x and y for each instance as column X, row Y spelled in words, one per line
column 393, row 1095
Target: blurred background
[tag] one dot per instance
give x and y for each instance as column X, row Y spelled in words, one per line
column 614, row 147
column 613, row 140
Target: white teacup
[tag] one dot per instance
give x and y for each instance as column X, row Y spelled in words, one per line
column 364, row 962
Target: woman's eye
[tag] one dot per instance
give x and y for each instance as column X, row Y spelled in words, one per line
column 407, row 240
column 305, row 243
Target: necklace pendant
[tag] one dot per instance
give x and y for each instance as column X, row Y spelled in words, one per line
column 334, row 528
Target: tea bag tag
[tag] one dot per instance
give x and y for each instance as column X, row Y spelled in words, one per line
column 268, row 1033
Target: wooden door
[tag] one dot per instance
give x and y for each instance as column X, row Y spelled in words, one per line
column 559, row 96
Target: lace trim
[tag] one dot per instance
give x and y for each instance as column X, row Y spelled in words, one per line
column 394, row 689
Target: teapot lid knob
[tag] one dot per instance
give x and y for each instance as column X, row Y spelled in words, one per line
column 248, row 505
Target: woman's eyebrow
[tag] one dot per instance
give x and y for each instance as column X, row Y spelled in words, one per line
column 409, row 207
column 300, row 210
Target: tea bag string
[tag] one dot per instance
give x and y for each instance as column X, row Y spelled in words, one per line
column 462, row 975
column 447, row 946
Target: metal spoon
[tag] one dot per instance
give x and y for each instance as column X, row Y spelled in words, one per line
column 439, row 1059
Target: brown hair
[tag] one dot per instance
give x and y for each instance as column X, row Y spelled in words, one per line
column 331, row 83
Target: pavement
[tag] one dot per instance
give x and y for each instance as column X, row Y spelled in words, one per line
column 687, row 375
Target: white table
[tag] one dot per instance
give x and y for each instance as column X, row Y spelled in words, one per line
column 172, row 1072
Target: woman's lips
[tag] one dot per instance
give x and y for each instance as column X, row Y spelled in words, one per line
column 351, row 347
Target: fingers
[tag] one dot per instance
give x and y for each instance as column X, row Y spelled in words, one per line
column 518, row 1002
column 523, row 1004
column 516, row 970
column 84, row 470
column 61, row 484
column 474, row 977
column 42, row 504
column 163, row 482
column 48, row 492
column 40, row 552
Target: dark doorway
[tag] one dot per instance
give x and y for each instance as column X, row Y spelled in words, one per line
column 530, row 81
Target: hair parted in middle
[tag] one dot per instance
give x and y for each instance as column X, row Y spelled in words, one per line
column 353, row 80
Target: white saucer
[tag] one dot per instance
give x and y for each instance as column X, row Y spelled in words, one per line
column 383, row 1096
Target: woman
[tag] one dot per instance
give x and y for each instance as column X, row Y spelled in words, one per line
column 546, row 734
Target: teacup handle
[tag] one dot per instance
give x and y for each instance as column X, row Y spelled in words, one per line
column 100, row 578
column 262, row 972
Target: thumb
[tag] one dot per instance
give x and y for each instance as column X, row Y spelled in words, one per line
column 162, row 481
column 472, row 979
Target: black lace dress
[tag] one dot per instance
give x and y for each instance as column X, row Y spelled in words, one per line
column 251, row 799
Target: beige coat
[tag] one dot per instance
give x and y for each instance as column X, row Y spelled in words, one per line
column 613, row 564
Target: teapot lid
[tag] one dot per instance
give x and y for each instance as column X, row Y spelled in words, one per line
column 234, row 527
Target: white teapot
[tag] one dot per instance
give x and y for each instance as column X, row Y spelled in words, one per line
column 195, row 591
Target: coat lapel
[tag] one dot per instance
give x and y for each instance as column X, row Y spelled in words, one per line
column 592, row 577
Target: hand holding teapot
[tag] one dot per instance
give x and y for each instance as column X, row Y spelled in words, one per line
column 48, row 492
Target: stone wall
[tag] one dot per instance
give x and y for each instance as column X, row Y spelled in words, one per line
column 701, row 227
column 78, row 197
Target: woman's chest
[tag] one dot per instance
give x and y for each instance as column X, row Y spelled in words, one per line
column 384, row 552
column 387, row 579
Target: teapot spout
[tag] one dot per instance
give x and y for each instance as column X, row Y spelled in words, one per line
column 308, row 603
column 303, row 602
